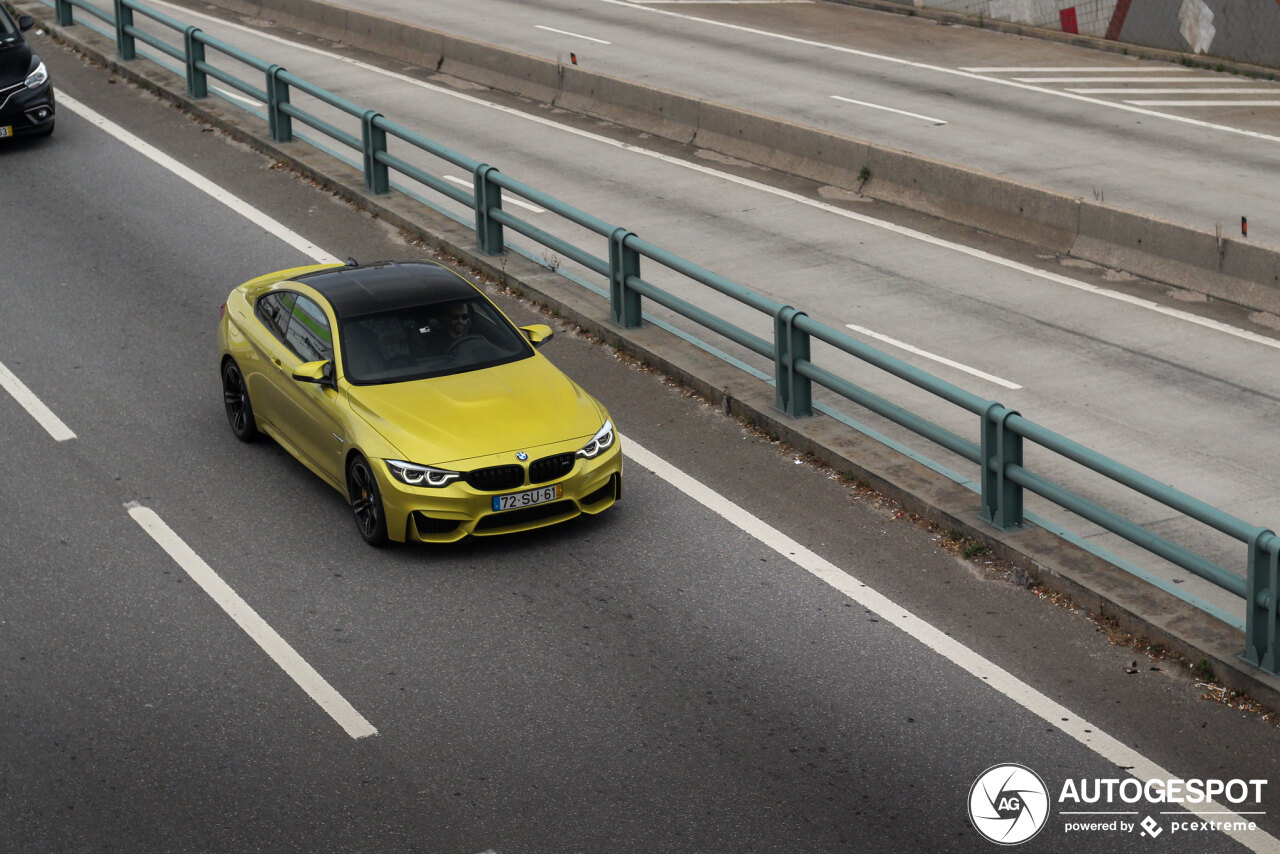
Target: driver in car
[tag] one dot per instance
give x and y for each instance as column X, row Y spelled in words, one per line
column 459, row 321
column 461, row 342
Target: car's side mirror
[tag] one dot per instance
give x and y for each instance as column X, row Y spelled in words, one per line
column 25, row 22
column 320, row 373
column 538, row 334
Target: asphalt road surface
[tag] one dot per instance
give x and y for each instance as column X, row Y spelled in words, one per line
column 745, row 655
column 1175, row 388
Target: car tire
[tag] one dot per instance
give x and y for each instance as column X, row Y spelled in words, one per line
column 235, row 397
column 366, row 501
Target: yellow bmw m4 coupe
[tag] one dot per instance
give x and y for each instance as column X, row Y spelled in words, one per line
column 406, row 389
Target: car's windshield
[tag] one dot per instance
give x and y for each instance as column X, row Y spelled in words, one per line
column 428, row 341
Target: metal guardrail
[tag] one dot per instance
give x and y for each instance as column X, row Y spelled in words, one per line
column 1001, row 432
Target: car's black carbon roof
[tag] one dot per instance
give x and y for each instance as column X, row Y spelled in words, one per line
column 387, row 286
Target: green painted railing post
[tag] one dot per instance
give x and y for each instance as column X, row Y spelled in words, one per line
column 488, row 196
column 197, row 81
column 124, row 41
column 624, row 263
column 277, row 96
column 375, row 143
column 65, row 16
column 1001, row 449
column 1261, row 601
column 793, row 393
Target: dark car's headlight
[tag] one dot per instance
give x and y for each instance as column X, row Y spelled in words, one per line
column 38, row 77
column 416, row 475
column 603, row 439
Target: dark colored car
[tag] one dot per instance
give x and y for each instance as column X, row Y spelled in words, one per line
column 26, row 95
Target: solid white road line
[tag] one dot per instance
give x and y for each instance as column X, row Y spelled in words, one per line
column 889, row 109
column 1068, row 69
column 996, row 677
column 901, row 345
column 195, row 179
column 254, row 626
column 34, row 406
column 1176, row 103
column 1167, row 90
column 276, row 647
column 1181, row 81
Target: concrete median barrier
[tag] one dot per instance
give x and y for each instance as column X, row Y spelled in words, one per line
column 1001, row 206
column 817, row 155
column 1225, row 268
column 644, row 108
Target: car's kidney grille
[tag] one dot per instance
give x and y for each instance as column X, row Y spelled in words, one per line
column 496, row 478
column 550, row 468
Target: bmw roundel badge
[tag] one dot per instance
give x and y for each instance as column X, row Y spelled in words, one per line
column 521, row 456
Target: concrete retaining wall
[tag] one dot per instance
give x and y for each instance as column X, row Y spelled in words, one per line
column 1244, row 31
column 1223, row 267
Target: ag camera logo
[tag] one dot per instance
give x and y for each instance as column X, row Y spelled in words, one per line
column 1009, row 804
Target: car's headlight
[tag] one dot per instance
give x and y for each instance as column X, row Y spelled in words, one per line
column 603, row 439
column 416, row 475
column 37, row 77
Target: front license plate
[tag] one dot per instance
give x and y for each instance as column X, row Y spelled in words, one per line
column 528, row 498
column 6, row 130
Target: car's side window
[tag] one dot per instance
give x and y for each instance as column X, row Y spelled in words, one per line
column 308, row 334
column 273, row 310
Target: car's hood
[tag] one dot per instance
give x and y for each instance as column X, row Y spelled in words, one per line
column 15, row 63
column 514, row 407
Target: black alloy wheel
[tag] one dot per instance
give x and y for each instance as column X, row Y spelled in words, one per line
column 366, row 502
column 235, row 396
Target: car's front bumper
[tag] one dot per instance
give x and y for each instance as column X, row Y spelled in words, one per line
column 447, row 514
column 26, row 112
